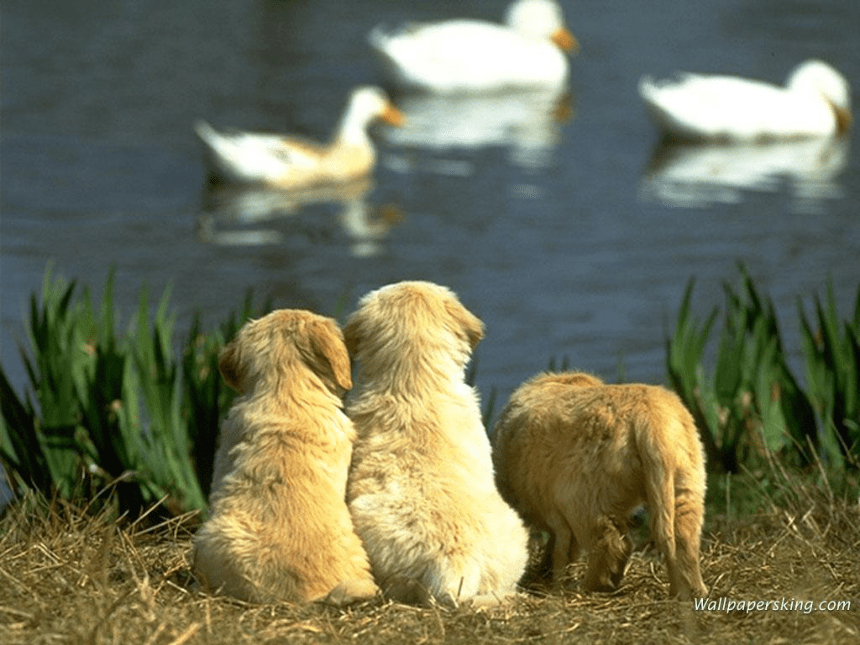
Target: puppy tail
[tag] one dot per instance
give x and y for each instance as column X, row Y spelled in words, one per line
column 659, row 471
column 674, row 498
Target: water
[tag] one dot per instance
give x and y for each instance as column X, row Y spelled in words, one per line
column 546, row 218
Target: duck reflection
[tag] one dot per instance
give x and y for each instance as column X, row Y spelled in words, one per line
column 696, row 175
column 527, row 123
column 244, row 215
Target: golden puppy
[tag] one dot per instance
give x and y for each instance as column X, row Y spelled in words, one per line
column 575, row 457
column 279, row 528
column 421, row 487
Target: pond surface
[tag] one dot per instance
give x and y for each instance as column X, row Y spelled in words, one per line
column 562, row 224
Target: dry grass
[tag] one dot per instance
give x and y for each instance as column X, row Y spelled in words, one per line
column 66, row 577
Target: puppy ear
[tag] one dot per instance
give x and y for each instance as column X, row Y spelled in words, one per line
column 470, row 325
column 350, row 334
column 229, row 364
column 327, row 343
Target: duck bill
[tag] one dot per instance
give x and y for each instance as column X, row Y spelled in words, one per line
column 393, row 116
column 843, row 120
column 565, row 40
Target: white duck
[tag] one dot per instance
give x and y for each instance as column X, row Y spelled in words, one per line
column 292, row 163
column 477, row 56
column 816, row 101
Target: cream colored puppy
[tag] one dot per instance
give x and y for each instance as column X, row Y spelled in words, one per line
column 575, row 457
column 279, row 528
column 421, row 487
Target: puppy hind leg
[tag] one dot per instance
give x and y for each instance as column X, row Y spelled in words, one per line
column 686, row 581
column 573, row 550
column 562, row 545
column 544, row 567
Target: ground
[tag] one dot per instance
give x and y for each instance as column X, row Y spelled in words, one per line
column 69, row 577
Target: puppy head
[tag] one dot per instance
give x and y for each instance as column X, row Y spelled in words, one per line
column 412, row 318
column 270, row 351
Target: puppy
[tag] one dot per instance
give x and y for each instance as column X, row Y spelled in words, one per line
column 575, row 457
column 421, row 487
column 279, row 528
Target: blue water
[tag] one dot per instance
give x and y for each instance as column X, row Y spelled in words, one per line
column 552, row 231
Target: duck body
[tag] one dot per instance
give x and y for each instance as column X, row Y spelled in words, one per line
column 462, row 56
column 814, row 102
column 293, row 163
column 284, row 162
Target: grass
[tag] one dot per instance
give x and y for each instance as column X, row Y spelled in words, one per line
column 751, row 403
column 69, row 576
column 113, row 407
column 135, row 410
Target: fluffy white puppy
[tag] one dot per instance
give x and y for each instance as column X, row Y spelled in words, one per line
column 421, row 487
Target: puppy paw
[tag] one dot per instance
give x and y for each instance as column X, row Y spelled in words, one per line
column 351, row 591
column 482, row 601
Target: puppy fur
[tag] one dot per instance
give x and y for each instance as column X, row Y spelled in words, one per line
column 421, row 486
column 575, row 457
column 279, row 528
